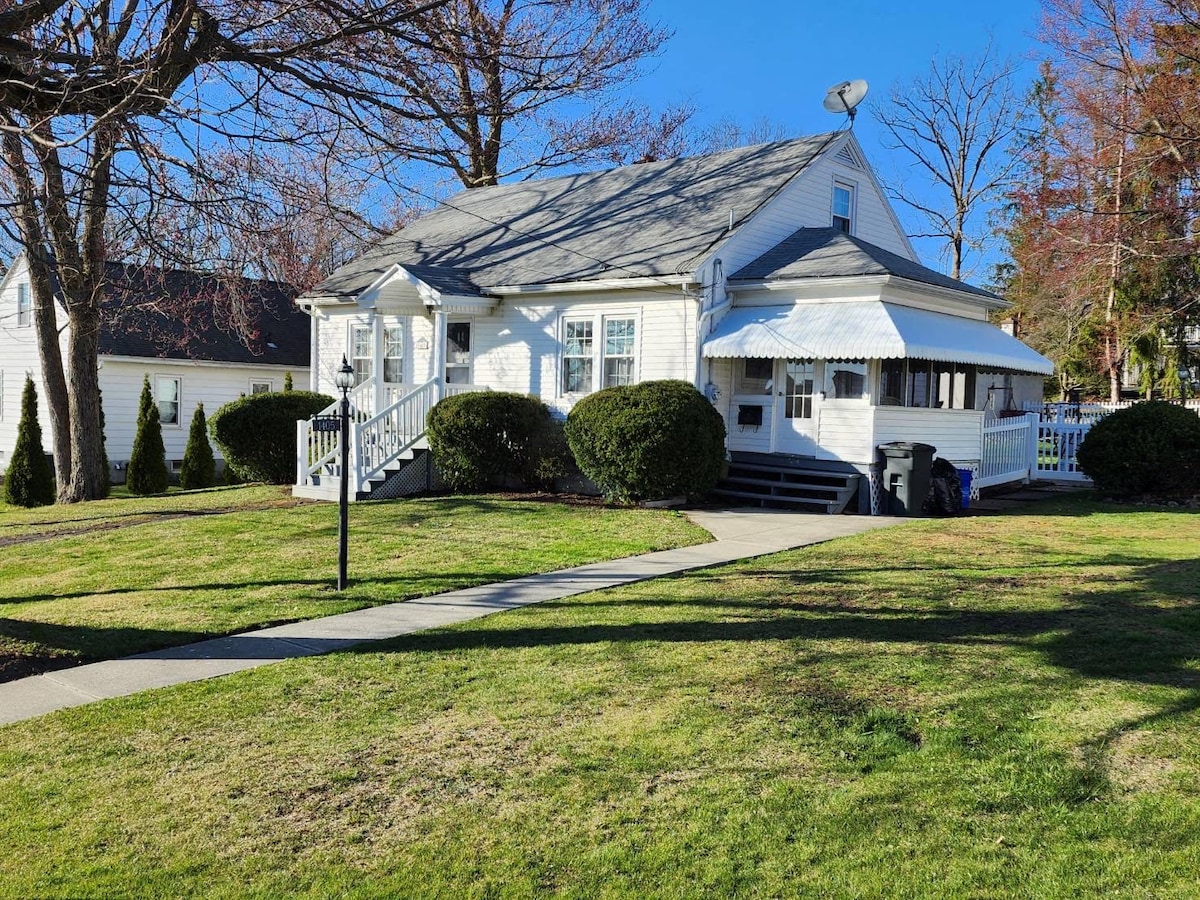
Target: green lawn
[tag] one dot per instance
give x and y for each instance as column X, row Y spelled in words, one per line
column 989, row 707
column 105, row 579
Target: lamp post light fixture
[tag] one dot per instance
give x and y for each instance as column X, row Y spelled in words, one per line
column 344, row 380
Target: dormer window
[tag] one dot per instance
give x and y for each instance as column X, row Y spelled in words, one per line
column 843, row 207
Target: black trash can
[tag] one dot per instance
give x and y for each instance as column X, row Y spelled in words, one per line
column 906, row 476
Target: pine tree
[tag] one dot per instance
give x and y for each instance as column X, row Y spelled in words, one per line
column 199, row 468
column 287, row 382
column 148, row 461
column 28, row 480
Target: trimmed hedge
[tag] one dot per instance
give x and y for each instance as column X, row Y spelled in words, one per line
column 1148, row 448
column 29, row 480
column 648, row 441
column 257, row 434
column 482, row 438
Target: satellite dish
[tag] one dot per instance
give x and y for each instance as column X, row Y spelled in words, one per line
column 844, row 97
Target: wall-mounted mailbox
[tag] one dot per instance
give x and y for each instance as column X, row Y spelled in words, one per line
column 749, row 415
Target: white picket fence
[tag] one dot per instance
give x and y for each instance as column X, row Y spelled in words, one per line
column 1007, row 451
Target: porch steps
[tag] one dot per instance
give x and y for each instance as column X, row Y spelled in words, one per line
column 788, row 487
column 408, row 475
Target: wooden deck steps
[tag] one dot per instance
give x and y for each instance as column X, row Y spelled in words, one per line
column 779, row 485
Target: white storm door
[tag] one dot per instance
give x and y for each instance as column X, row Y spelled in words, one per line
column 797, row 397
column 458, row 351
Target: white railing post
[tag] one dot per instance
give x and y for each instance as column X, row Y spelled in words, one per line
column 301, row 451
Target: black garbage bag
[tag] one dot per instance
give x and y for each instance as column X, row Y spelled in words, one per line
column 945, row 489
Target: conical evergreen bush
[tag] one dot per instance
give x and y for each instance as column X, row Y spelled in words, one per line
column 199, row 469
column 29, row 481
column 148, row 461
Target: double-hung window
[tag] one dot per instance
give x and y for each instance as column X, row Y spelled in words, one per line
column 360, row 352
column 597, row 352
column 24, row 307
column 843, row 207
column 166, row 395
column 578, row 349
column 393, row 354
column 618, row 351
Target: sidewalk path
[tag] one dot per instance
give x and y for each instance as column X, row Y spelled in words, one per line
column 740, row 534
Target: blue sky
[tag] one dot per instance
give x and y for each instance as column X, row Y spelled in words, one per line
column 773, row 59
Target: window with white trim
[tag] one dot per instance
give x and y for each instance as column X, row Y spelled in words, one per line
column 619, row 360
column 598, row 351
column 843, row 207
column 393, row 354
column 262, row 386
column 24, row 306
column 361, row 356
column 577, row 356
column 166, row 395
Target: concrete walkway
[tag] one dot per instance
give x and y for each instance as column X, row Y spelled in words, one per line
column 740, row 534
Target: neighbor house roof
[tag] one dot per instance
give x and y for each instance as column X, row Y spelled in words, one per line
column 652, row 219
column 830, row 253
column 173, row 314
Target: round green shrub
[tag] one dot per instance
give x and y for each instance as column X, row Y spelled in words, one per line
column 648, row 441
column 481, row 438
column 1148, row 448
column 257, row 434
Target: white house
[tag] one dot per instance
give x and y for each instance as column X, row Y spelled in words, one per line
column 188, row 358
column 776, row 278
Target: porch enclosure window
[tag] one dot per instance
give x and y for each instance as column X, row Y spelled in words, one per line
column 458, row 353
column 926, row 384
column 843, row 207
column 618, row 352
column 801, row 376
column 755, row 377
column 166, row 395
column 24, row 306
column 849, row 378
column 360, row 353
column 393, row 354
column 577, row 356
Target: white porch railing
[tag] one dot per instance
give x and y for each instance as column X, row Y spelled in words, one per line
column 1007, row 450
column 376, row 442
column 1057, row 444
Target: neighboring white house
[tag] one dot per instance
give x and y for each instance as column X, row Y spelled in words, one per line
column 188, row 358
column 776, row 278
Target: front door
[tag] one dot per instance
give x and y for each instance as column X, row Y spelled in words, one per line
column 797, row 398
column 458, row 351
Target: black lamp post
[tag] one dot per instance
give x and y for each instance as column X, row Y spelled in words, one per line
column 344, row 380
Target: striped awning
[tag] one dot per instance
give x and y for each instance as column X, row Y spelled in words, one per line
column 867, row 329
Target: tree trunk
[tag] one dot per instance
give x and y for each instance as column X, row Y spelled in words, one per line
column 87, row 443
column 54, row 382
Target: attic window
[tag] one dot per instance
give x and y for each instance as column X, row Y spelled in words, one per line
column 24, row 306
column 843, row 207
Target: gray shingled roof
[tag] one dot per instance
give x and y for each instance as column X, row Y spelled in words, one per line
column 649, row 219
column 171, row 314
column 830, row 253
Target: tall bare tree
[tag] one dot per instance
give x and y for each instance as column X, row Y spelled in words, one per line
column 199, row 132
column 955, row 123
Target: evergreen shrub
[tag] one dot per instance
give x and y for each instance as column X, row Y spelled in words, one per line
column 199, row 469
column 1149, row 448
column 481, row 438
column 29, row 480
column 257, row 434
column 648, row 441
column 147, row 472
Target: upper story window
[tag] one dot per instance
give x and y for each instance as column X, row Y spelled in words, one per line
column 24, row 306
column 843, row 207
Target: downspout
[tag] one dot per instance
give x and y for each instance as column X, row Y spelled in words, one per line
column 706, row 319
